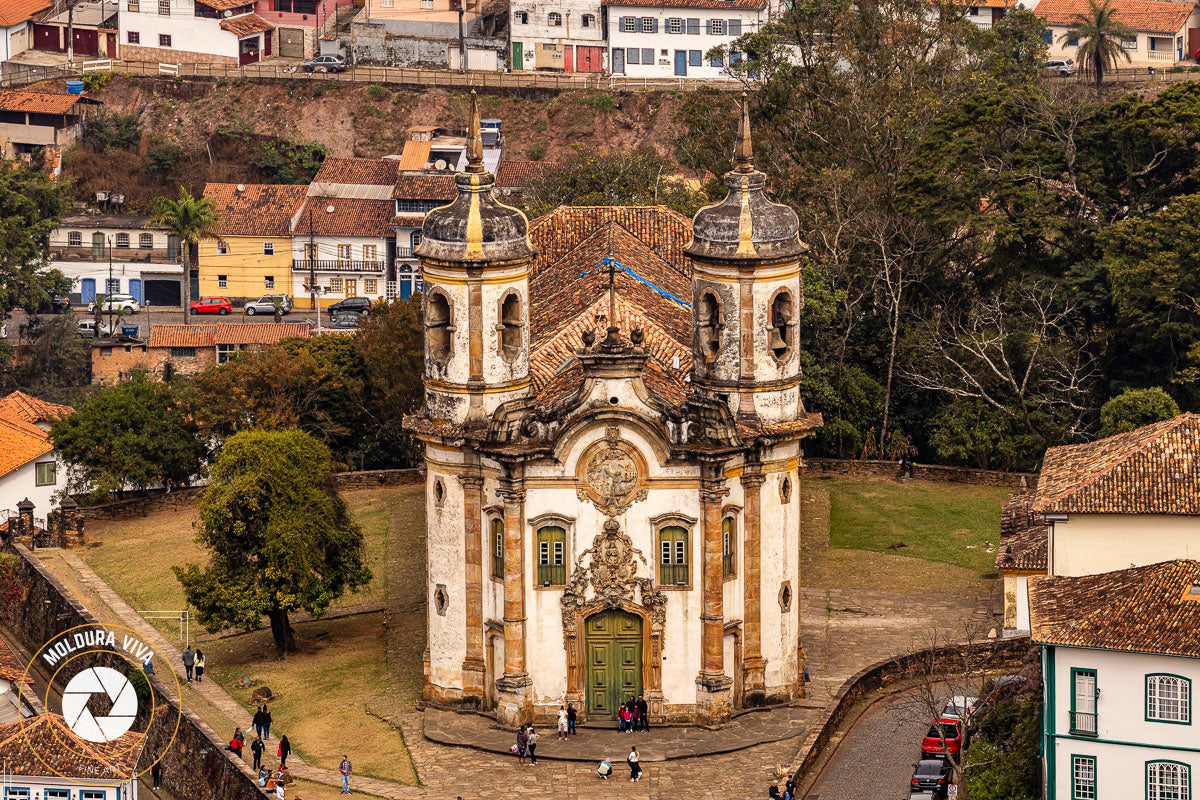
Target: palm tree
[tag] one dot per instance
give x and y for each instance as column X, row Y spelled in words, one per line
column 1099, row 35
column 190, row 218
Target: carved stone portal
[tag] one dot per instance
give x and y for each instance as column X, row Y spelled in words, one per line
column 613, row 475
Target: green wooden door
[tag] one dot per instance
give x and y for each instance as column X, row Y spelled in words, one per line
column 518, row 55
column 614, row 661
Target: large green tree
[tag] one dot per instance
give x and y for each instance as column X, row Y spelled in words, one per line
column 279, row 537
column 134, row 435
column 31, row 205
column 190, row 218
column 391, row 344
column 1134, row 408
column 56, row 363
column 1099, row 34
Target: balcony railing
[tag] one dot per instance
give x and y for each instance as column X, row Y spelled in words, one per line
column 1160, row 55
column 120, row 254
column 322, row 265
column 404, row 252
column 1083, row 723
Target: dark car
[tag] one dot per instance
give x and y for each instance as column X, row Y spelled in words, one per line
column 325, row 64
column 950, row 730
column 60, row 302
column 352, row 305
column 345, row 321
column 931, row 775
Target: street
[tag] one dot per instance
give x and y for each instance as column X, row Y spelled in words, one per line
column 162, row 316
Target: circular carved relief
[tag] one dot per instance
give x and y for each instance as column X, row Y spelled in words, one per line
column 612, row 475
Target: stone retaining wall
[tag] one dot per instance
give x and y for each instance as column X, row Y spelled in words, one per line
column 196, row 766
column 821, row 467
column 1003, row 653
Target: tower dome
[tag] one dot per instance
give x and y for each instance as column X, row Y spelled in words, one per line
column 745, row 226
column 476, row 226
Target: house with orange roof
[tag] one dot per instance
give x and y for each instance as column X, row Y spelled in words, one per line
column 44, row 758
column 1162, row 29
column 29, row 467
column 30, row 120
column 227, row 32
column 16, row 25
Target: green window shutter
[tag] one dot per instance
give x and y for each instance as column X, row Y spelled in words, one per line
column 728, row 564
column 552, row 556
column 498, row 548
column 673, row 556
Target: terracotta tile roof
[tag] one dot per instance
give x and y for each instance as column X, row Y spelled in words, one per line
column 367, row 171
column 349, row 217
column 20, row 443
column 425, row 187
column 222, row 5
column 181, row 335
column 30, row 409
column 1142, row 609
column 14, row 12
column 1158, row 16
column 38, row 102
column 11, row 668
column 408, row 222
column 415, row 155
column 49, row 736
column 663, row 231
column 1023, row 536
column 1151, row 470
column 517, row 174
column 738, row 4
column 260, row 210
column 258, row 332
column 247, row 25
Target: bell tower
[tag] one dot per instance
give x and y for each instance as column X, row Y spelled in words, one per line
column 747, row 294
column 475, row 255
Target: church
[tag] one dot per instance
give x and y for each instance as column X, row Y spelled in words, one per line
column 612, row 431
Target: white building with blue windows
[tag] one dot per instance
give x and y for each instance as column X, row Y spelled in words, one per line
column 65, row 766
column 1120, row 656
column 673, row 38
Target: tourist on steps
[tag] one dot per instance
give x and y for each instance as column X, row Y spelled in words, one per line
column 258, row 721
column 266, row 734
column 199, row 666
column 256, row 748
column 563, row 724
column 189, row 663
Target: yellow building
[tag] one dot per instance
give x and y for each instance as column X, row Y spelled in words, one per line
column 249, row 253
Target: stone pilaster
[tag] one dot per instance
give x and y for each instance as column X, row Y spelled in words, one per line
column 801, row 656
column 514, row 690
column 714, row 698
column 474, row 666
column 753, row 665
column 475, row 381
column 746, row 371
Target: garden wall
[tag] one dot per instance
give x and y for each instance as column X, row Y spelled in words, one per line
column 196, row 766
column 822, row 467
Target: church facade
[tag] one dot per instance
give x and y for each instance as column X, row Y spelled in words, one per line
column 612, row 431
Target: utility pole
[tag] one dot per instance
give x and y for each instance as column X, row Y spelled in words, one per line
column 70, row 33
column 312, row 269
column 108, row 288
column 462, row 39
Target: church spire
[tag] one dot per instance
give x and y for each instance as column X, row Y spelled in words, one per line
column 474, row 137
column 743, row 155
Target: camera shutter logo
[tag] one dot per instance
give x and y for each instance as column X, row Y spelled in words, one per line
column 120, row 692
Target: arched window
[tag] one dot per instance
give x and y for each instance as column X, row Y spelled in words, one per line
column 709, row 325
column 510, row 326
column 1168, row 780
column 146, row 241
column 728, row 547
column 74, row 239
column 498, row 548
column 785, row 490
column 673, row 556
column 782, row 326
column 589, row 20
column 98, row 245
column 1168, row 699
column 438, row 327
column 551, row 556
column 555, row 18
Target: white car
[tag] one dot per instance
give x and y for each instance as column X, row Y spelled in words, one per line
column 116, row 302
column 960, row 707
column 87, row 328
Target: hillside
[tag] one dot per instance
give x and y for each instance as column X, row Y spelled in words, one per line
column 195, row 132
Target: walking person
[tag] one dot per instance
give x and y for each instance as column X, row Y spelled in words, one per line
column 266, row 724
column 148, row 663
column 562, row 723
column 189, row 663
column 643, row 711
column 155, row 774
column 258, row 721
column 199, row 666
column 571, row 717
column 345, row 768
column 533, row 740
column 285, row 747
column 635, row 768
column 257, row 747
column 522, row 745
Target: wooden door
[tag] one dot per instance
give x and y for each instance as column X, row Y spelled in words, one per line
column 87, row 42
column 46, row 37
column 569, row 58
column 111, row 44
column 351, row 287
column 618, row 61
column 614, row 661
column 681, row 63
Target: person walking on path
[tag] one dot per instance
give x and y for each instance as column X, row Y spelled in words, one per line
column 266, row 724
column 258, row 721
column 643, row 712
column 562, row 722
column 345, row 768
column 533, row 740
column 155, row 774
column 522, row 745
column 199, row 666
column 189, row 663
column 635, row 768
column 571, row 717
column 257, row 747
column 148, row 663
column 285, row 747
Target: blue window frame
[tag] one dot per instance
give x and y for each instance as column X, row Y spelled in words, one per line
column 91, row 794
column 647, row 55
column 717, row 59
column 17, row 793
column 695, row 58
column 633, row 56
column 57, row 794
column 1048, row 37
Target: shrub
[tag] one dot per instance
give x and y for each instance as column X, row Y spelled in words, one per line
column 104, row 130
column 538, row 151
column 95, row 81
column 1134, row 408
column 163, row 157
column 376, row 92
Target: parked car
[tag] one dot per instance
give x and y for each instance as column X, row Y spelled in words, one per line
column 1060, row 66
column 931, row 776
column 266, row 304
column 60, row 302
column 116, row 302
column 87, row 328
column 960, row 707
column 345, row 321
column 325, row 64
column 212, row 305
column 949, row 729
column 355, row 305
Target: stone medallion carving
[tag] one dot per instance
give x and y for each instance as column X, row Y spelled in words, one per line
column 611, row 476
column 605, row 576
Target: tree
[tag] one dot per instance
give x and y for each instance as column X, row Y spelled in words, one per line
column 1014, row 49
column 391, row 344
column 279, row 537
column 56, row 362
column 190, row 218
column 1135, row 408
column 130, row 436
column 31, row 205
column 1099, row 34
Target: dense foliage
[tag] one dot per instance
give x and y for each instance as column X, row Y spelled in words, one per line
column 1004, row 757
column 31, row 205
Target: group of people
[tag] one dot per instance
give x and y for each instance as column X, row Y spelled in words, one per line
column 526, row 746
column 634, row 715
column 789, row 790
column 193, row 664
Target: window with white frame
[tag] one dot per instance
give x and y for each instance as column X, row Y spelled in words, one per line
column 123, row 240
column 555, row 19
column 370, row 252
column 268, row 248
column 674, row 25
column 1168, row 780
column 588, row 20
column 46, row 473
column 113, row 285
column 343, row 251
column 1083, row 778
column 628, row 24
column 335, row 284
column 717, row 26
column 1129, row 44
column 57, row 794
column 222, row 247
column 1168, row 699
column 649, row 25
column 268, row 281
column 225, row 352
column 222, row 281
column 91, row 794
column 146, row 241
column 427, row 5
column 522, row 17
column 74, row 239
column 16, row 793
column 371, row 285
column 164, row 7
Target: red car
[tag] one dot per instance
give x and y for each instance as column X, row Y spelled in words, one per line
column 212, row 305
column 948, row 729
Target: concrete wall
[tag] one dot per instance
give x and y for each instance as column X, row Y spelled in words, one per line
column 21, row 483
column 406, row 44
column 1087, row 544
column 828, row 467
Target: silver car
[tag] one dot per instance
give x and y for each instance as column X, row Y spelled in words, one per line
column 87, row 328
column 266, row 304
column 115, row 302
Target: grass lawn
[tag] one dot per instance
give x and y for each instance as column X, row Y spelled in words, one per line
column 942, row 523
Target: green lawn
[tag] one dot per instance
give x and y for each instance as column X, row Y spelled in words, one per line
column 946, row 523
